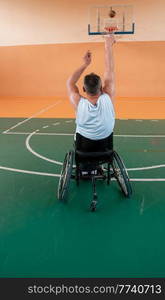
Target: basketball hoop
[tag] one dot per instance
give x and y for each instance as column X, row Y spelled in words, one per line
column 107, row 19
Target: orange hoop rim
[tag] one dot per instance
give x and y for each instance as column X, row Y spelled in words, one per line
column 111, row 29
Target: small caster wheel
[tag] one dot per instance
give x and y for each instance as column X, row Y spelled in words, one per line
column 93, row 206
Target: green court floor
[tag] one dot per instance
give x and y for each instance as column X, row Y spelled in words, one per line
column 40, row 237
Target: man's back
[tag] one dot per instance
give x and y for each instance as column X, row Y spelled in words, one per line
column 97, row 121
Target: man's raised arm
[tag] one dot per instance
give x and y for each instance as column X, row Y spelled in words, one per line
column 72, row 88
column 109, row 76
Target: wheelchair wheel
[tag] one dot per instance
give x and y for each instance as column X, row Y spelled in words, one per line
column 65, row 176
column 121, row 175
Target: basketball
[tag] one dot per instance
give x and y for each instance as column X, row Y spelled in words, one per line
column 112, row 13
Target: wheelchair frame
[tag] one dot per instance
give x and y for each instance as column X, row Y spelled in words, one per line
column 88, row 167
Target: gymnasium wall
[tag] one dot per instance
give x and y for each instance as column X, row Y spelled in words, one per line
column 65, row 21
column 42, row 42
column 42, row 70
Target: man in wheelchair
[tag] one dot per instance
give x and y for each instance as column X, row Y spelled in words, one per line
column 95, row 120
column 95, row 116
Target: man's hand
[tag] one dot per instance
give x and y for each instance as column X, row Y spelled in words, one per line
column 87, row 58
column 110, row 39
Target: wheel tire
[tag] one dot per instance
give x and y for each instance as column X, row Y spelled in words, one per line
column 65, row 176
column 121, row 175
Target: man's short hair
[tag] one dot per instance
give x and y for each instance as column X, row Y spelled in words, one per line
column 92, row 83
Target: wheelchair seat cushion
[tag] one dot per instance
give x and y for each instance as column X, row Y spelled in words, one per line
column 94, row 156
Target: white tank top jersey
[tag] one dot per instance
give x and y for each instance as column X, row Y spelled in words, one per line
column 95, row 122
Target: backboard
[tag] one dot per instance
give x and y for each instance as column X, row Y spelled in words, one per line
column 113, row 18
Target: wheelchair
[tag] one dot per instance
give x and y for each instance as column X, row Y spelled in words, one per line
column 93, row 166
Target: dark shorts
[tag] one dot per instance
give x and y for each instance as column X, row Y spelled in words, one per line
column 84, row 144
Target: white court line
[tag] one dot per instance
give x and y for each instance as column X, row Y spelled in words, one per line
column 37, row 154
column 55, row 124
column 142, row 206
column 58, row 175
column 146, row 168
column 71, row 134
column 28, row 172
column 147, row 179
column 33, row 116
column 40, row 133
column 60, row 163
column 139, row 136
